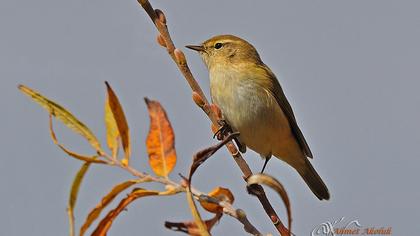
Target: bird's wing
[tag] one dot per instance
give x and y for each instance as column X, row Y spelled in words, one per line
column 278, row 93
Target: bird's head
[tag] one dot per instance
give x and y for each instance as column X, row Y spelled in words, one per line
column 225, row 50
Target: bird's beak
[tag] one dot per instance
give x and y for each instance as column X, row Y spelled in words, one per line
column 196, row 48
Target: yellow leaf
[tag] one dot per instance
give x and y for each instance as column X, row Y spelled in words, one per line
column 70, row 153
column 202, row 227
column 73, row 194
column 63, row 115
column 106, row 222
column 107, row 199
column 219, row 193
column 160, row 141
column 120, row 119
column 276, row 186
column 91, row 159
column 112, row 134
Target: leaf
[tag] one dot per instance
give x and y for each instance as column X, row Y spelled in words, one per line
column 92, row 159
column 198, row 159
column 112, row 133
column 190, row 227
column 73, row 194
column 201, row 156
column 119, row 117
column 63, row 115
column 106, row 222
column 160, row 141
column 107, row 199
column 218, row 194
column 276, row 186
column 201, row 227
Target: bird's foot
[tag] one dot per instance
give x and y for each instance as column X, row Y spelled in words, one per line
column 265, row 164
column 223, row 130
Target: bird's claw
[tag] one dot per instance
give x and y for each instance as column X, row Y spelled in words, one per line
column 223, row 130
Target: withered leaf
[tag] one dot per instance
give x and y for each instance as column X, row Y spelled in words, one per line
column 80, row 157
column 63, row 115
column 190, row 227
column 106, row 200
column 201, row 226
column 201, row 156
column 74, row 192
column 276, row 186
column 106, row 222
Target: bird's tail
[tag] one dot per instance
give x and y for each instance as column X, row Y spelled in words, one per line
column 314, row 181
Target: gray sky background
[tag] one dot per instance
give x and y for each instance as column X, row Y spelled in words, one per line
column 349, row 68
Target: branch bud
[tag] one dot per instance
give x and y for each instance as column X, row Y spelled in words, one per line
column 274, row 219
column 180, row 57
column 198, row 99
column 216, row 111
column 241, row 213
column 184, row 183
column 161, row 16
column 124, row 162
column 161, row 41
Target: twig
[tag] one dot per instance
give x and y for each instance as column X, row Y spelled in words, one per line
column 241, row 216
column 227, row 207
column 177, row 55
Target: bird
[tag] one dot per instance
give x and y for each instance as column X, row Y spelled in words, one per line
column 253, row 103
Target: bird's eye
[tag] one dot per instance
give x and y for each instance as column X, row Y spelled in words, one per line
column 218, row 45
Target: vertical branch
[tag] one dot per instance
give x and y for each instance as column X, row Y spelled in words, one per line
column 159, row 20
column 164, row 39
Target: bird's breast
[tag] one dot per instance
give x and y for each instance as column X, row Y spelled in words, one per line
column 249, row 108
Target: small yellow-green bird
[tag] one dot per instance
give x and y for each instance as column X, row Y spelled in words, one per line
column 253, row 103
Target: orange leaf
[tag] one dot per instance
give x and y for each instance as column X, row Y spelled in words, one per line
column 106, row 200
column 160, row 141
column 221, row 194
column 106, row 222
column 119, row 117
